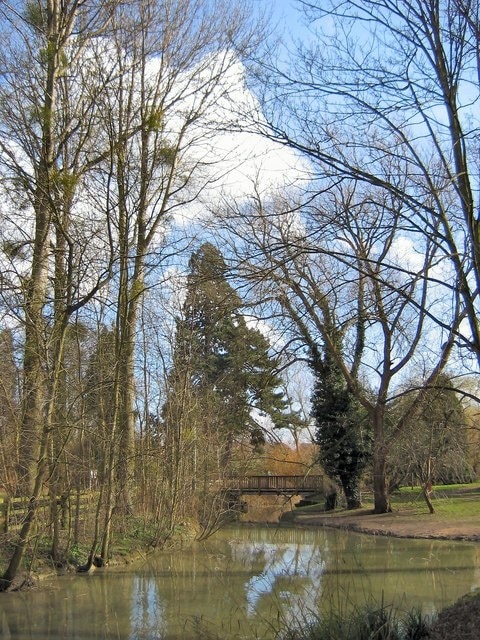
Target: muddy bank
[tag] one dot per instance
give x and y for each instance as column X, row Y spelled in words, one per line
column 396, row 524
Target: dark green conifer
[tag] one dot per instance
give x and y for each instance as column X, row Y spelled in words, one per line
column 227, row 361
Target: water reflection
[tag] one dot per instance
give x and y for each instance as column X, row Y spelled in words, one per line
column 292, row 571
column 243, row 583
column 147, row 611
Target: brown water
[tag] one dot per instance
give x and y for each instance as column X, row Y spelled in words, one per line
column 242, row 583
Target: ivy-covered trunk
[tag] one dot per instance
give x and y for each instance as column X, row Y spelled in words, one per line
column 342, row 431
column 351, row 489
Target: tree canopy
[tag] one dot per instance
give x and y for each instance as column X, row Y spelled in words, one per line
column 227, row 361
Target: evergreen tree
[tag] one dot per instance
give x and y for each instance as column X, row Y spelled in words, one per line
column 345, row 443
column 226, row 363
column 222, row 384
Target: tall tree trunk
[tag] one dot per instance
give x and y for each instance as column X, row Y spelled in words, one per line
column 380, row 488
column 34, row 356
column 126, row 462
column 16, row 560
column 33, row 360
column 39, row 398
column 351, row 489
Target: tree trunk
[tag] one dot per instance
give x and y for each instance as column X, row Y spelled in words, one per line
column 380, row 487
column 33, row 372
column 426, row 491
column 126, row 462
column 351, row 489
column 24, row 537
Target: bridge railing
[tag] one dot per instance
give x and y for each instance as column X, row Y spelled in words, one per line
column 279, row 483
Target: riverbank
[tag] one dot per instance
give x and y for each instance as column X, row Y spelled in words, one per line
column 363, row 520
column 456, row 517
column 397, row 524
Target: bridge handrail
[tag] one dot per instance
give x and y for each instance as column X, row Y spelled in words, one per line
column 280, row 483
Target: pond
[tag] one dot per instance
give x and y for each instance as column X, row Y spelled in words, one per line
column 245, row 582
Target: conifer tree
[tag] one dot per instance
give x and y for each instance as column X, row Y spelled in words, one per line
column 222, row 385
column 227, row 361
column 231, row 377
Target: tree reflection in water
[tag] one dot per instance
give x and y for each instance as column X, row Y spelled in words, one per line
column 243, row 581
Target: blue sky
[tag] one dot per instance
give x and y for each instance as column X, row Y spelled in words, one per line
column 285, row 15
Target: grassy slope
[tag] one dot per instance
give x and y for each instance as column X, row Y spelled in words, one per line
column 454, row 501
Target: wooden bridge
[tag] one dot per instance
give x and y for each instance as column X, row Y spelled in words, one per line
column 291, row 485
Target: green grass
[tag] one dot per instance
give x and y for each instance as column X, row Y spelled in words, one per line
column 444, row 490
column 452, row 501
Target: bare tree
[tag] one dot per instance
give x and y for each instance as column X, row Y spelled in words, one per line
column 378, row 83
column 433, row 448
column 38, row 130
column 107, row 115
column 332, row 274
column 9, row 414
column 173, row 61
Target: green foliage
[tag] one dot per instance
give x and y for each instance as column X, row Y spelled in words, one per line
column 34, row 15
column 154, row 120
column 227, row 361
column 341, row 429
column 166, row 155
column 47, row 54
column 65, row 182
column 77, row 553
column 40, row 115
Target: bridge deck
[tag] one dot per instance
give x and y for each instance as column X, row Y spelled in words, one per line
column 279, row 484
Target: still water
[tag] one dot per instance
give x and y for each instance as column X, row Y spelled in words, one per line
column 242, row 583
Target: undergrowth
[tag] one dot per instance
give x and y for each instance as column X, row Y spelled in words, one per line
column 368, row 622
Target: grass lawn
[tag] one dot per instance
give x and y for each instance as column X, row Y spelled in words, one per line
column 452, row 501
